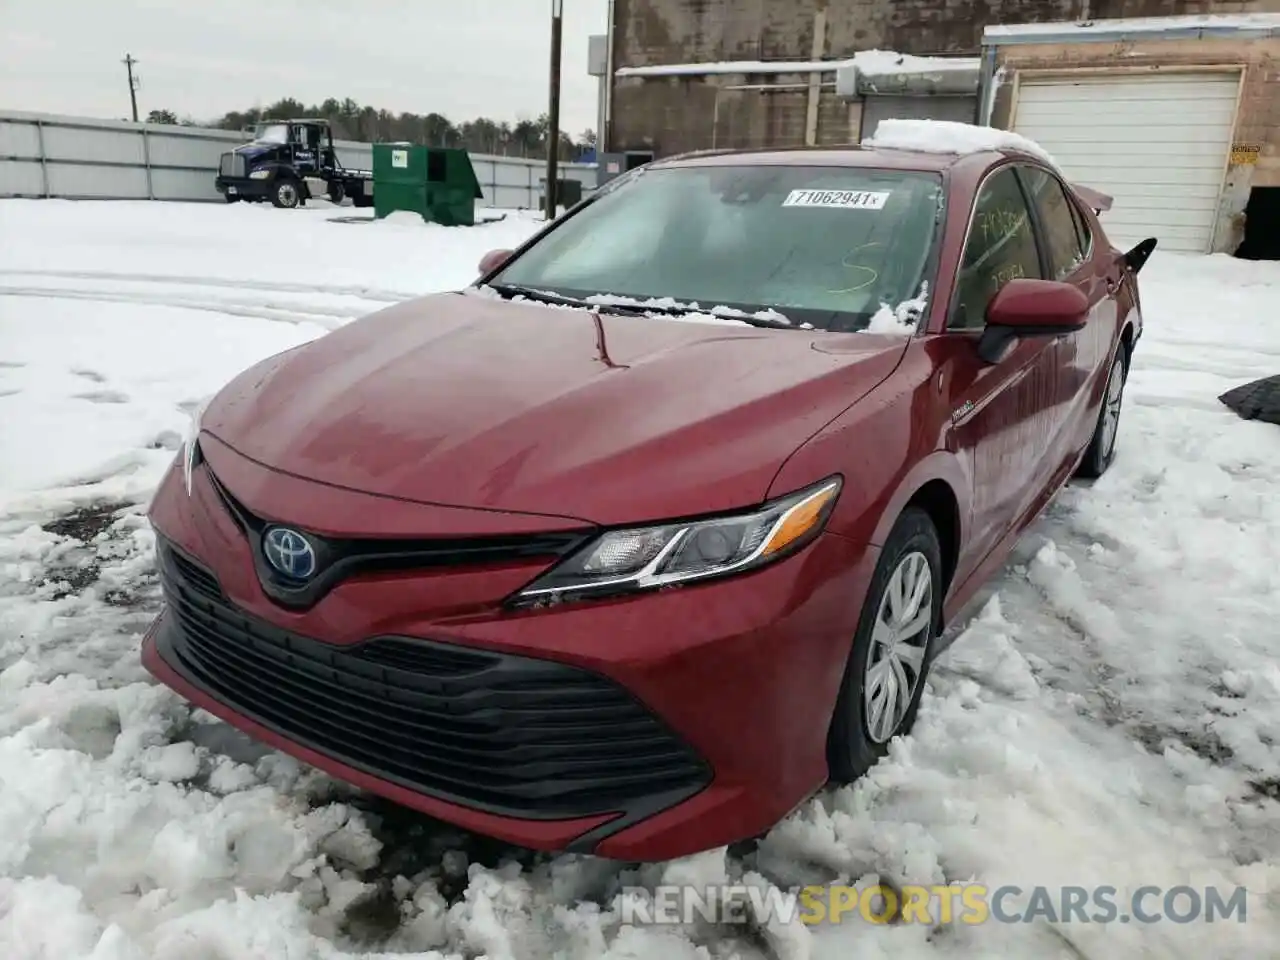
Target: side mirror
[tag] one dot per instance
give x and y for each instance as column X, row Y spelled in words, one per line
column 1031, row 308
column 492, row 260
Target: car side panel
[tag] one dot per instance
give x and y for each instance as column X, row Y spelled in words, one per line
column 1094, row 346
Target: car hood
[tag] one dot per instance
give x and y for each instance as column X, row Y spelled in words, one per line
column 468, row 401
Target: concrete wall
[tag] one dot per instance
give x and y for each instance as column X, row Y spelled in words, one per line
column 671, row 115
column 43, row 155
column 1257, row 119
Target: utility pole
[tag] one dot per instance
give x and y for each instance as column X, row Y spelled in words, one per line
column 128, row 62
column 553, row 114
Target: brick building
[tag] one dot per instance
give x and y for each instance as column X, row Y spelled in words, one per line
column 697, row 74
column 687, row 74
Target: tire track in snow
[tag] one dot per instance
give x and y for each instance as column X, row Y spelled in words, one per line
column 330, row 316
column 275, row 286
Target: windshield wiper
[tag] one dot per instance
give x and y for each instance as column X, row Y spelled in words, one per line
column 677, row 310
column 515, row 290
column 632, row 309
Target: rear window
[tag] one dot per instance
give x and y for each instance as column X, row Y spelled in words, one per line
column 821, row 245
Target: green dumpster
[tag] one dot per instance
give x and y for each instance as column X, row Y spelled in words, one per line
column 439, row 185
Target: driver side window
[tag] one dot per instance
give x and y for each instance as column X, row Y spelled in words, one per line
column 1001, row 246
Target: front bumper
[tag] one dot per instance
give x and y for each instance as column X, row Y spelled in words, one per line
column 243, row 187
column 641, row 729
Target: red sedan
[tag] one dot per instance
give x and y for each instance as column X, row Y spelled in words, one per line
column 644, row 538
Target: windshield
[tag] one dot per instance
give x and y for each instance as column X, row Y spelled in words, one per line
column 826, row 246
column 271, row 133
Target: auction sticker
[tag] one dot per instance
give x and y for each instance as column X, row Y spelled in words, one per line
column 837, row 199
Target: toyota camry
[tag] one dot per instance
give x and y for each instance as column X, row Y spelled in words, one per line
column 651, row 532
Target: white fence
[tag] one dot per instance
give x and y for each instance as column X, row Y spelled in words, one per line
column 77, row 158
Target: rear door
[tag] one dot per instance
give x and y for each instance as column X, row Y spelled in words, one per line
column 1003, row 415
column 1084, row 355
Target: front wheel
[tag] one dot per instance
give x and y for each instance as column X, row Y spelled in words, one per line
column 1102, row 447
column 884, row 678
column 286, row 194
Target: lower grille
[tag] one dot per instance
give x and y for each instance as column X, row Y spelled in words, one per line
column 231, row 165
column 510, row 735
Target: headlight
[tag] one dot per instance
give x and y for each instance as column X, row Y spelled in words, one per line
column 259, row 174
column 190, row 446
column 644, row 558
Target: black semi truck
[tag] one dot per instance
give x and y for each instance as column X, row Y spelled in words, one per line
column 288, row 162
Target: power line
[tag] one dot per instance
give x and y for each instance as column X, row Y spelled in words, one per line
column 128, row 62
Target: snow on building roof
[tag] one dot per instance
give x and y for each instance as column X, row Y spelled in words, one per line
column 869, row 63
column 1192, row 27
column 949, row 136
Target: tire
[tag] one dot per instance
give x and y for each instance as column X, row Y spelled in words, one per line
column 336, row 192
column 1102, row 445
column 286, row 193
column 858, row 738
column 231, row 198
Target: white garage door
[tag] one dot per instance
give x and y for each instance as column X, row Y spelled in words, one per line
column 1158, row 145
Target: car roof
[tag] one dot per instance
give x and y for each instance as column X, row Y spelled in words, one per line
column 850, row 156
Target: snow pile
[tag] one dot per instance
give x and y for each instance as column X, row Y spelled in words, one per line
column 902, row 320
column 950, row 136
column 1117, row 692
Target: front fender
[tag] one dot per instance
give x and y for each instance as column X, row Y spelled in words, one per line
column 941, row 465
column 887, row 447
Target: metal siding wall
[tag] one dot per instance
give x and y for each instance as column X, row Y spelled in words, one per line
column 22, row 178
column 168, row 151
column 19, row 140
column 75, row 158
column 875, row 109
column 104, row 146
column 85, row 181
column 183, row 185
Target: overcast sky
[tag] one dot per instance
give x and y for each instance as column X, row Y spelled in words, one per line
column 201, row 58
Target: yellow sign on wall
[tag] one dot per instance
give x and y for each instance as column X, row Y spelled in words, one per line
column 1244, row 153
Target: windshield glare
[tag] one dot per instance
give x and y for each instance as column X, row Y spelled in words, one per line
column 272, row 133
column 825, row 246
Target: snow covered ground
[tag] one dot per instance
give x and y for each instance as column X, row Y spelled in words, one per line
column 1112, row 717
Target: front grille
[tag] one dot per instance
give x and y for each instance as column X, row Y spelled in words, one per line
column 340, row 559
column 511, row 735
column 231, row 165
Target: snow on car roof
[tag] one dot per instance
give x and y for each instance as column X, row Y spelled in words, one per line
column 950, row 137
